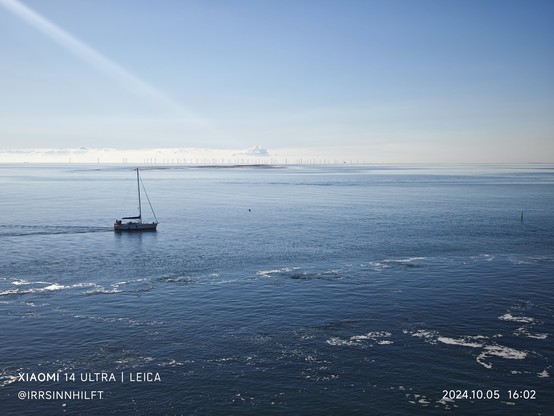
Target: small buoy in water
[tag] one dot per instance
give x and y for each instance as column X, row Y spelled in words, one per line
column 249, row 210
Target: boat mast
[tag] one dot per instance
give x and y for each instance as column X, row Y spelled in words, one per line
column 138, row 187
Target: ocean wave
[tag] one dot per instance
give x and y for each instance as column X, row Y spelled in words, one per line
column 26, row 287
column 530, row 260
column 297, row 274
column 484, row 256
column 119, row 319
column 407, row 263
column 178, row 280
column 274, row 272
column 34, row 230
column 20, row 282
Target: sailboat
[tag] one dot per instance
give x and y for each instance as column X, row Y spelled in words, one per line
column 135, row 223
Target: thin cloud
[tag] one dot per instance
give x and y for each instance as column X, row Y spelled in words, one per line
column 253, row 151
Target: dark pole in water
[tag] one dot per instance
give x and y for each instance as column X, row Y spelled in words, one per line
column 521, row 216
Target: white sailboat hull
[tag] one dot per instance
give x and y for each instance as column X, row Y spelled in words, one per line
column 135, row 226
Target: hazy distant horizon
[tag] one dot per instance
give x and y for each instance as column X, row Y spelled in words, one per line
column 252, row 155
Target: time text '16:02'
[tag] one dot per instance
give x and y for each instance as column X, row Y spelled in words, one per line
column 489, row 394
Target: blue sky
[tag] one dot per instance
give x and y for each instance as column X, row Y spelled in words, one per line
column 390, row 81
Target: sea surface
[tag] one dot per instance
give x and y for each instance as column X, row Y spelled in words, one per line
column 286, row 290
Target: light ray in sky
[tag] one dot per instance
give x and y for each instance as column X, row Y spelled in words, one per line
column 105, row 65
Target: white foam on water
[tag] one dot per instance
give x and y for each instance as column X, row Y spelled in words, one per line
column 460, row 342
column 224, row 359
column 55, row 286
column 418, row 399
column 388, row 263
column 428, row 336
column 488, row 349
column 371, row 338
column 501, row 352
column 410, row 259
column 7, row 379
column 525, row 332
column 336, row 341
column 268, row 273
column 134, row 362
column 543, row 374
column 104, row 291
column 529, row 260
column 446, row 402
column 520, row 319
column 9, row 292
column 21, row 282
column 50, row 287
column 171, row 363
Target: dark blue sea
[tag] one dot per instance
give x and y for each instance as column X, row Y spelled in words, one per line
column 286, row 290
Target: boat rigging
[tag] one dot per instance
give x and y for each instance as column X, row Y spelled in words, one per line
column 135, row 223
